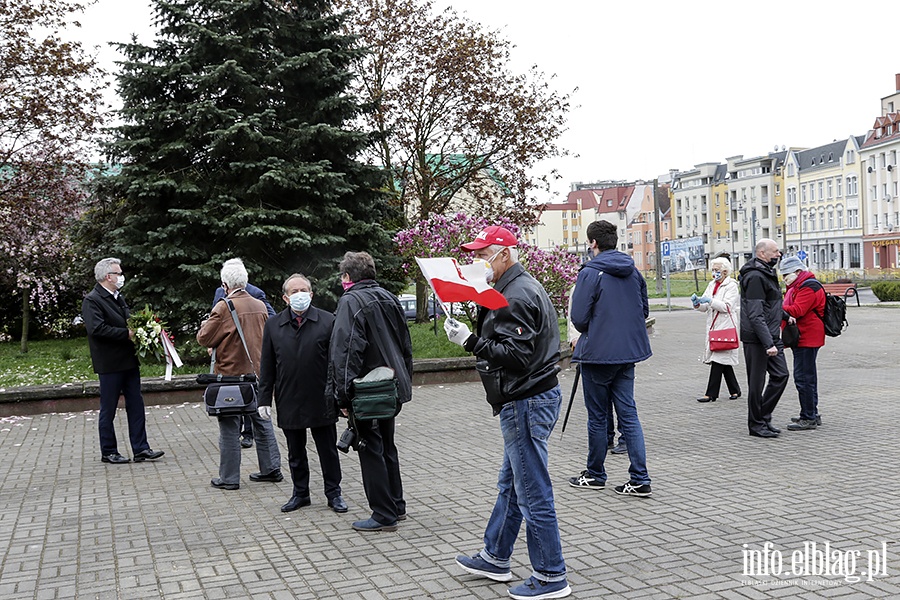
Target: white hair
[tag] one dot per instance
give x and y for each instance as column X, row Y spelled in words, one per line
column 723, row 263
column 513, row 251
column 104, row 268
column 234, row 274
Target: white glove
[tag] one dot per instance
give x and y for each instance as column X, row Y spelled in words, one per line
column 457, row 332
column 265, row 412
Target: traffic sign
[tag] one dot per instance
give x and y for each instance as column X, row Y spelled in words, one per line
column 666, row 249
column 802, row 255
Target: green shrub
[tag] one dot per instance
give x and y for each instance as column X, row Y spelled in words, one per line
column 887, row 291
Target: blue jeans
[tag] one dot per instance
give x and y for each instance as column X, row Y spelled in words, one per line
column 525, row 488
column 807, row 381
column 607, row 386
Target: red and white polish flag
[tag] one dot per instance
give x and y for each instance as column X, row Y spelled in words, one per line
column 453, row 282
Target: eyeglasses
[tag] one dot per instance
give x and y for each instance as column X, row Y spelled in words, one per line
column 116, row 273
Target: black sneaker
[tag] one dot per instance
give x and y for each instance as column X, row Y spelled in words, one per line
column 586, row 481
column 631, row 489
column 620, row 449
column 818, row 420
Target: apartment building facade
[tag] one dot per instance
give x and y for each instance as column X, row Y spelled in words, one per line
column 879, row 179
column 823, row 207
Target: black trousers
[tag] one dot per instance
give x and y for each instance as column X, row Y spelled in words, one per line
column 762, row 397
column 380, row 468
column 326, row 447
column 716, row 371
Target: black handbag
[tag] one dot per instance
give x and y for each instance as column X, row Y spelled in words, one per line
column 230, row 395
column 790, row 335
column 375, row 395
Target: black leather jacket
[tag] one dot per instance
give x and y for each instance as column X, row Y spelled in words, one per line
column 761, row 300
column 370, row 331
column 517, row 346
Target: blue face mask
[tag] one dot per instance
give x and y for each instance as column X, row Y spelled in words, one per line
column 717, row 275
column 300, row 301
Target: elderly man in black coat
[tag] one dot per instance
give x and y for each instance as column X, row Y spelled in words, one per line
column 293, row 371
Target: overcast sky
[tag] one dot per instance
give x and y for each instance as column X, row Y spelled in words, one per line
column 667, row 85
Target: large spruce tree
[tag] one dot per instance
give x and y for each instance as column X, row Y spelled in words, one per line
column 237, row 142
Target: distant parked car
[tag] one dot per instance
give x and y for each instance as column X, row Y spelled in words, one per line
column 408, row 301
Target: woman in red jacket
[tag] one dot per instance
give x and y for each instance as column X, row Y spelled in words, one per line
column 804, row 304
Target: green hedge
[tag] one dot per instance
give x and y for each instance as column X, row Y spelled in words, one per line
column 887, row 291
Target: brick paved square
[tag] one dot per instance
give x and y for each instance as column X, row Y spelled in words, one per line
column 72, row 527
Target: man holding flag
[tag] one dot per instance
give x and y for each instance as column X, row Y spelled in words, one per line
column 517, row 347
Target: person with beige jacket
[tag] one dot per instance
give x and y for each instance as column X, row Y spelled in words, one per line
column 220, row 334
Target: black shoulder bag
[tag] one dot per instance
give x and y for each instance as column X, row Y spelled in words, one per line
column 230, row 395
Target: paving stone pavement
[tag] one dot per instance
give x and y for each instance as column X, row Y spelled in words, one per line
column 72, row 527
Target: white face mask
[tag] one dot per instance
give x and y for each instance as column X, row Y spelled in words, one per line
column 300, row 301
column 488, row 269
column 717, row 275
column 790, row 278
column 120, row 281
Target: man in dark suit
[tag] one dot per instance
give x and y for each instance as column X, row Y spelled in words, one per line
column 293, row 370
column 105, row 315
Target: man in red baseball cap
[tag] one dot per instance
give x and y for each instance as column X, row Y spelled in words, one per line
column 489, row 236
column 517, row 351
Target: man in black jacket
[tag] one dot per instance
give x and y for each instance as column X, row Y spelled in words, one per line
column 113, row 357
column 293, row 369
column 761, row 336
column 370, row 331
column 517, row 351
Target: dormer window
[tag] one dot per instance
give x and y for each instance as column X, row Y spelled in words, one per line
column 831, row 157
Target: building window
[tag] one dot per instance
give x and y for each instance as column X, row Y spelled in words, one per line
column 803, row 194
column 851, row 157
column 778, row 211
column 838, row 185
column 821, row 190
column 777, row 189
column 830, row 189
column 830, row 220
column 840, row 219
column 854, row 256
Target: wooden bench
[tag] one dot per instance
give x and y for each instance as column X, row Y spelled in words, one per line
column 846, row 290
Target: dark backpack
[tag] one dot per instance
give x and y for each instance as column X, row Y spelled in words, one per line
column 835, row 315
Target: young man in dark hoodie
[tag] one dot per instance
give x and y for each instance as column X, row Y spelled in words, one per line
column 609, row 308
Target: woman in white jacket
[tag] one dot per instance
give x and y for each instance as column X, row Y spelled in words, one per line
column 722, row 304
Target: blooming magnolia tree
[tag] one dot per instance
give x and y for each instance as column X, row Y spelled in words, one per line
column 35, row 250
column 440, row 235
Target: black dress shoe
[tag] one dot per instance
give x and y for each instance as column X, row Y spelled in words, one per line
column 772, row 428
column 294, row 503
column 705, row 399
column 274, row 476
column 338, row 505
column 734, row 396
column 115, row 458
column 763, row 433
column 246, row 442
column 147, row 454
column 402, row 517
column 219, row 484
